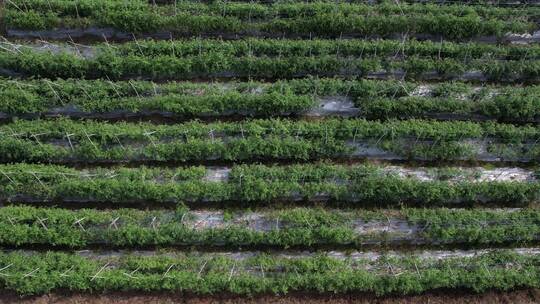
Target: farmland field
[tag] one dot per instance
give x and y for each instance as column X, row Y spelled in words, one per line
column 276, row 151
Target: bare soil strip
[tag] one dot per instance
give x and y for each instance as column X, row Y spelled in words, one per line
column 296, row 254
column 526, row 296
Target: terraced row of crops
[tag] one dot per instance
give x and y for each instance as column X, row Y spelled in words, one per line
column 254, row 59
column 245, row 149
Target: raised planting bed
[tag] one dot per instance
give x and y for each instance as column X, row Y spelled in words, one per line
column 286, row 48
column 65, row 141
column 269, row 151
column 116, row 20
column 256, row 185
column 29, row 227
column 262, row 274
column 221, row 62
column 173, row 102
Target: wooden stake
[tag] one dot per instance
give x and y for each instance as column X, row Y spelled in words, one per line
column 65, row 273
column 12, row 3
column 7, row 176
column 78, row 222
column 147, row 134
column 168, row 269
column 232, row 271
column 37, row 178
column 69, row 140
column 99, row 271
column 153, row 223
column 42, row 222
column 130, row 275
column 90, row 140
column 31, row 273
column 4, row 268
column 113, row 223
column 201, row 270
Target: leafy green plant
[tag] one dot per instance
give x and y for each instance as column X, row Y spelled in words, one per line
column 321, row 19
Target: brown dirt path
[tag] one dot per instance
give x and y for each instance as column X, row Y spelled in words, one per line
column 518, row 297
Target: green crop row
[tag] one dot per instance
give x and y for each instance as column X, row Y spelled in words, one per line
column 479, row 5
column 195, row 99
column 66, row 141
column 254, row 10
column 187, row 101
column 375, row 99
column 358, row 185
column 297, row 227
column 207, row 275
column 339, row 129
column 320, row 19
column 184, row 106
column 321, row 47
column 504, row 108
column 41, row 94
column 214, row 65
